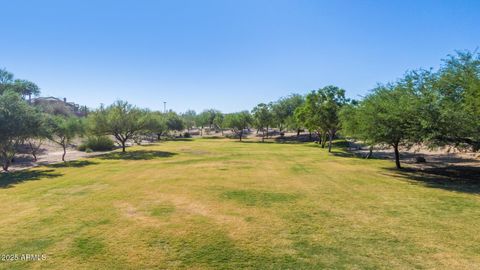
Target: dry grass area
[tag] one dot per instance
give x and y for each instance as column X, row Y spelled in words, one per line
column 221, row 204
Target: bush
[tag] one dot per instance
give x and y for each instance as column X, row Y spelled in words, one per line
column 97, row 143
column 187, row 135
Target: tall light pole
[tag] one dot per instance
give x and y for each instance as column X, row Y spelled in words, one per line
column 164, row 107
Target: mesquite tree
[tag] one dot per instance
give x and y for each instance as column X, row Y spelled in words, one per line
column 18, row 122
column 238, row 122
column 321, row 112
column 121, row 120
column 263, row 118
column 62, row 130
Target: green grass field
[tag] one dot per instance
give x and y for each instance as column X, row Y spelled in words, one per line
column 221, row 204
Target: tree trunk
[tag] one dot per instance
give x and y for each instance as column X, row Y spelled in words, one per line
column 322, row 139
column 33, row 151
column 330, row 138
column 370, row 152
column 123, row 146
column 158, row 136
column 263, row 135
column 64, row 152
column 298, row 132
column 310, row 136
column 267, row 132
column 6, row 164
column 397, row 156
column 5, row 161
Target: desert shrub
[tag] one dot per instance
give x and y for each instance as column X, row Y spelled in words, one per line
column 97, row 143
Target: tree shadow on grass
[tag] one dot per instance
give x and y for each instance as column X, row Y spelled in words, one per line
column 136, row 155
column 213, row 137
column 302, row 138
column 347, row 154
column 8, row 180
column 259, row 141
column 458, row 175
column 454, row 178
column 180, row 139
column 72, row 164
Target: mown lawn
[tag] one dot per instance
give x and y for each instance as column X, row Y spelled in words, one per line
column 221, row 204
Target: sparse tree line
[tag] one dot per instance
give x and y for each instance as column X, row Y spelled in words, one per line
column 433, row 108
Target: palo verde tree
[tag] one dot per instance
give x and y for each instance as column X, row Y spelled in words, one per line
column 121, row 120
column 262, row 117
column 62, row 130
column 18, row 122
column 238, row 122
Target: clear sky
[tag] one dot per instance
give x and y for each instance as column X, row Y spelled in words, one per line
column 228, row 55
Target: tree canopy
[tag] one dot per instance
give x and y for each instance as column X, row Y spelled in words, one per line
column 320, row 112
column 121, row 120
column 23, row 87
column 18, row 122
column 263, row 118
column 62, row 130
column 238, row 122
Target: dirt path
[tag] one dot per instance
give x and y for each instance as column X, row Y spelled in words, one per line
column 50, row 153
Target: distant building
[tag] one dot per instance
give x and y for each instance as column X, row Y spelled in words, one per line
column 54, row 102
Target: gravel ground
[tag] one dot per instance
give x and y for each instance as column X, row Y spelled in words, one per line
column 49, row 153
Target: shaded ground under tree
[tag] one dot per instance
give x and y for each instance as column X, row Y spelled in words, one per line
column 8, row 180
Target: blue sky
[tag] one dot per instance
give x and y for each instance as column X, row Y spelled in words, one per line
column 228, row 55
